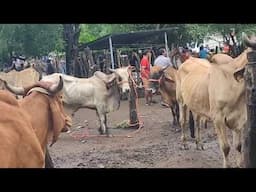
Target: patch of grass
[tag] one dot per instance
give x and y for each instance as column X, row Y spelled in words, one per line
column 122, row 124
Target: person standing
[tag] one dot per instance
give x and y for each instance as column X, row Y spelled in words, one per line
column 145, row 72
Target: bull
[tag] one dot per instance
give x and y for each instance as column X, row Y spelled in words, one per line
column 101, row 92
column 51, row 119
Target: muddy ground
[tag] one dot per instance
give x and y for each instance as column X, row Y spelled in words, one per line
column 156, row 145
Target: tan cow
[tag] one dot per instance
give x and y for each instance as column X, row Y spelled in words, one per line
column 215, row 92
column 25, row 77
column 220, row 58
column 50, row 120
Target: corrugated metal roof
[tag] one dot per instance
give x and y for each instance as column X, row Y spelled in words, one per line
column 132, row 39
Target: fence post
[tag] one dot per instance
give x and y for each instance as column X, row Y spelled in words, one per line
column 249, row 151
column 132, row 105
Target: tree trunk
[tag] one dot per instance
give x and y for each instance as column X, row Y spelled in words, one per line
column 71, row 37
column 91, row 64
column 249, row 151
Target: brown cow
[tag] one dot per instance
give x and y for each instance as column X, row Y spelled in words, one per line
column 50, row 120
column 19, row 147
column 165, row 78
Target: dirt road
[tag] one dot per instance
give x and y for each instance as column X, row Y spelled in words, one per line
column 156, row 145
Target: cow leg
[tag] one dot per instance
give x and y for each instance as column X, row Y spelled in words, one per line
column 177, row 112
column 183, row 111
column 205, row 124
column 100, row 128
column 103, row 121
column 174, row 122
column 48, row 159
column 222, row 137
column 199, row 125
column 238, row 145
column 191, row 125
column 176, row 117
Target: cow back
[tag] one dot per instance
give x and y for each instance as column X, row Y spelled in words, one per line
column 19, row 147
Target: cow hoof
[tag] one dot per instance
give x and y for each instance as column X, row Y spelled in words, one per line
column 100, row 131
column 184, row 147
column 176, row 130
column 68, row 131
column 200, row 147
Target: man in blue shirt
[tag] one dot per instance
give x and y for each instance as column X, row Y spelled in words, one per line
column 203, row 53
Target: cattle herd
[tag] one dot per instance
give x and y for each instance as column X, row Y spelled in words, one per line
column 209, row 90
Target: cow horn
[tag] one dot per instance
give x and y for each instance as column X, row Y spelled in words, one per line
column 15, row 90
column 112, row 70
column 163, row 69
column 112, row 79
column 248, row 42
column 56, row 87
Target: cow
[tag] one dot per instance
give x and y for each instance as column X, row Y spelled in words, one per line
column 164, row 79
column 51, row 119
column 19, row 147
column 216, row 92
column 25, row 77
column 101, row 92
column 123, row 75
column 220, row 58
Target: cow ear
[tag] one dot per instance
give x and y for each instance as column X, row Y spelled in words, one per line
column 58, row 119
column 239, row 74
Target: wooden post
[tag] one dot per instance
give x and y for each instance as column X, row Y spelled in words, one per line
column 132, row 106
column 249, row 150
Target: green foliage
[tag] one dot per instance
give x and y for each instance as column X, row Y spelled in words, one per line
column 30, row 39
column 40, row 39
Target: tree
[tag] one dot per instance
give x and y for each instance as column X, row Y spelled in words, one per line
column 71, row 36
column 29, row 39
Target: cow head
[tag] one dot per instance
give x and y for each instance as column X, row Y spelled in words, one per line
column 122, row 75
column 251, row 43
column 156, row 73
column 60, row 121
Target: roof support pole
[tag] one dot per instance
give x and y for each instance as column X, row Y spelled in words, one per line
column 111, row 52
column 166, row 43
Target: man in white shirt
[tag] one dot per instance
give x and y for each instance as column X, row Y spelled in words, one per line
column 162, row 60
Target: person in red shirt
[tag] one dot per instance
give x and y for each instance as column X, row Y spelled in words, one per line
column 225, row 48
column 145, row 72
